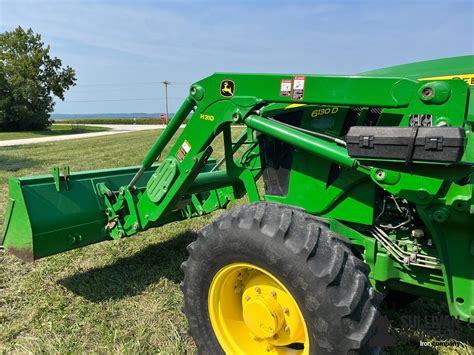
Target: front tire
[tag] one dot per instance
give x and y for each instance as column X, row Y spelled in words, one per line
column 270, row 278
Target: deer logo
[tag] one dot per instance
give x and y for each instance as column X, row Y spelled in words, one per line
column 227, row 88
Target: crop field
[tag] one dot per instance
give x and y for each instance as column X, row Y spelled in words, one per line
column 54, row 130
column 112, row 120
column 123, row 296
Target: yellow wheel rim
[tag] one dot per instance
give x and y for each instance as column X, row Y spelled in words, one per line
column 251, row 312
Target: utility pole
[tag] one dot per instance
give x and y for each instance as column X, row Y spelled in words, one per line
column 166, row 83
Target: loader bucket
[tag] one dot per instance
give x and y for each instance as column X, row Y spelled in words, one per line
column 42, row 221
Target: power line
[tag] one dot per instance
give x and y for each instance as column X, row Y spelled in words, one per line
column 125, row 90
column 138, row 83
column 111, row 100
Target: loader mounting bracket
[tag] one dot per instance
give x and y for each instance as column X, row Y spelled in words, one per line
column 57, row 172
column 117, row 205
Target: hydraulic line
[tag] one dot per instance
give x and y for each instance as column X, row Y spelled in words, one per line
column 315, row 134
column 301, row 140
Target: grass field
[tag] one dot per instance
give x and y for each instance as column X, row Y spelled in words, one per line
column 54, row 130
column 123, row 296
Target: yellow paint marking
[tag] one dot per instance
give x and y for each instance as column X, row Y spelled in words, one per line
column 468, row 78
column 294, row 106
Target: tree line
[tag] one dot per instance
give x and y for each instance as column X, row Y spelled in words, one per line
column 30, row 78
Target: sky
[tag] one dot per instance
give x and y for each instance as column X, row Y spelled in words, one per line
column 123, row 50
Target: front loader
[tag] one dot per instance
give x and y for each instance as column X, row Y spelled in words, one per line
column 367, row 192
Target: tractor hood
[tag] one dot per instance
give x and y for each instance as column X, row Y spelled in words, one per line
column 446, row 68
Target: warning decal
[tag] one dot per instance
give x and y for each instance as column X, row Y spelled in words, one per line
column 183, row 151
column 298, row 88
column 285, row 87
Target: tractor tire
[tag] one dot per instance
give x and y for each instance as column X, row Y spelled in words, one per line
column 265, row 276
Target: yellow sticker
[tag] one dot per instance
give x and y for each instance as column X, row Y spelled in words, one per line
column 468, row 78
column 183, row 150
column 294, row 106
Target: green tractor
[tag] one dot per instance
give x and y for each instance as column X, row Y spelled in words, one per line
column 367, row 192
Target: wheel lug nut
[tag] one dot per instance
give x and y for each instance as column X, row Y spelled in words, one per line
column 257, row 289
column 247, row 298
column 273, row 294
column 287, row 328
column 286, row 310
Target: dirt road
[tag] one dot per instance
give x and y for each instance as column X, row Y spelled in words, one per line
column 114, row 129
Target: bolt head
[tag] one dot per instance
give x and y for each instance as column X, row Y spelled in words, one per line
column 286, row 310
column 258, row 290
column 247, row 298
column 380, row 174
column 427, row 92
column 236, row 117
column 273, row 294
column 287, row 328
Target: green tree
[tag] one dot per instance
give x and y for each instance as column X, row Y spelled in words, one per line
column 29, row 80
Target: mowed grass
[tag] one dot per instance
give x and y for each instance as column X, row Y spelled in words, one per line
column 123, row 296
column 54, row 130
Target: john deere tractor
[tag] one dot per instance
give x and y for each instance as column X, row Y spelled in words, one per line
column 367, row 192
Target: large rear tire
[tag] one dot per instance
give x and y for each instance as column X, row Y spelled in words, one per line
column 268, row 278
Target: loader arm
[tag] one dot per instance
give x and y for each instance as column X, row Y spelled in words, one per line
column 303, row 139
column 214, row 113
column 117, row 203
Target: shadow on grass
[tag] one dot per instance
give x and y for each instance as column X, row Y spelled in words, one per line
column 14, row 164
column 423, row 320
column 131, row 275
column 423, row 324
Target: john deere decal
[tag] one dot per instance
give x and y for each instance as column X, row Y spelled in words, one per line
column 227, row 88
